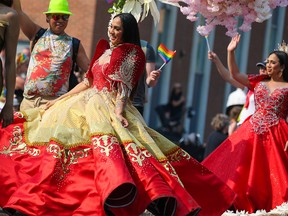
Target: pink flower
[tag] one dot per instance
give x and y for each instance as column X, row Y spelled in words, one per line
column 186, row 10
column 226, row 12
column 245, row 27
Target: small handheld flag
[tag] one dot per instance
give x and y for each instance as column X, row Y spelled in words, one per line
column 165, row 54
column 206, row 37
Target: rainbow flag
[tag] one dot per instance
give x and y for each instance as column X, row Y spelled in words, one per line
column 165, row 53
column 109, row 1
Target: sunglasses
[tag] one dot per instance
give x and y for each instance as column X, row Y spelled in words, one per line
column 56, row 17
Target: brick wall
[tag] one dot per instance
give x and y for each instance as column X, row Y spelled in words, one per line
column 81, row 24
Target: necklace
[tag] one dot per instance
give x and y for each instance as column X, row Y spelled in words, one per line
column 108, row 52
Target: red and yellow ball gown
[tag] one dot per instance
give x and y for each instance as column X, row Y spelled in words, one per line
column 77, row 159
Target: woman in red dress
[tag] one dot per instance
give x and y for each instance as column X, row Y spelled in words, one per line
column 253, row 161
column 91, row 153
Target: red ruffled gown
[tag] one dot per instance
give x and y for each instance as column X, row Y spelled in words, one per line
column 252, row 161
column 76, row 158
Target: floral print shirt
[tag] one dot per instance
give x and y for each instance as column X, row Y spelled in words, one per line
column 49, row 67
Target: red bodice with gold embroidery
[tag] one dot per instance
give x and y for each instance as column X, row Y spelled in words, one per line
column 100, row 80
column 126, row 65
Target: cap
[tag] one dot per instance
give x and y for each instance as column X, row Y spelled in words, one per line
column 58, row 6
column 261, row 64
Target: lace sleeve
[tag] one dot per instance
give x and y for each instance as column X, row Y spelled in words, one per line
column 87, row 81
column 123, row 94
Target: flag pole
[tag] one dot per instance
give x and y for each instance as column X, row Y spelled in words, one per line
column 162, row 66
column 206, row 37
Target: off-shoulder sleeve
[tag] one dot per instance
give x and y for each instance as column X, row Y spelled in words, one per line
column 101, row 46
column 256, row 78
column 126, row 65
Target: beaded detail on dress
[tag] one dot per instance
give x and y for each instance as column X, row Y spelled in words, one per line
column 125, row 71
column 271, row 107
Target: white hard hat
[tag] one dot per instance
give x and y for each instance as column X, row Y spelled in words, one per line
column 236, row 98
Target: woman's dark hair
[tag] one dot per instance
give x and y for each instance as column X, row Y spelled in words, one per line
column 130, row 28
column 130, row 35
column 7, row 2
column 283, row 60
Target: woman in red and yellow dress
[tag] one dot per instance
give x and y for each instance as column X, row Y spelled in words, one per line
column 91, row 153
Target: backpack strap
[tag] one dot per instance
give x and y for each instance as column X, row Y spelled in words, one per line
column 37, row 36
column 75, row 47
column 75, row 44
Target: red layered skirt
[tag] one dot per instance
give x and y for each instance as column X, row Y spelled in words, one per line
column 254, row 165
column 76, row 159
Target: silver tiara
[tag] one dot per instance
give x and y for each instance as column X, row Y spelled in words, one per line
column 283, row 47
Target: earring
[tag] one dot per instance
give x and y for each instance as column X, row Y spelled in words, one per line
column 281, row 73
